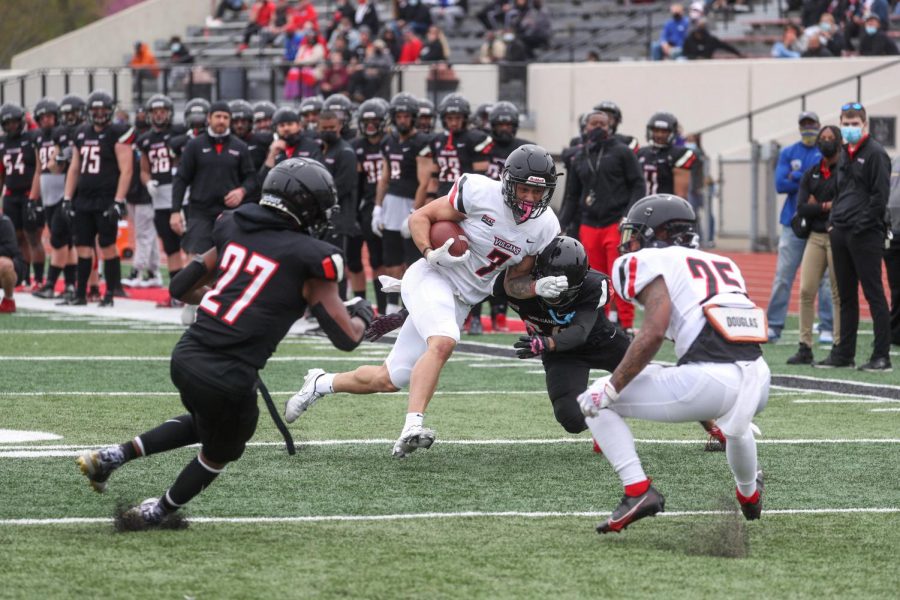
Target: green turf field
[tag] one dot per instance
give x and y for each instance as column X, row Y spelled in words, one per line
column 503, row 505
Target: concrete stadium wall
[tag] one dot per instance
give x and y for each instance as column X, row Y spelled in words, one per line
column 105, row 43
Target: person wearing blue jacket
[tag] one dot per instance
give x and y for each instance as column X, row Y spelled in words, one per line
column 673, row 34
column 793, row 162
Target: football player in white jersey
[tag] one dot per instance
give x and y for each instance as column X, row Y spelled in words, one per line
column 507, row 223
column 699, row 300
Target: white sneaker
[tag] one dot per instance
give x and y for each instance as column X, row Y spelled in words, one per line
column 826, row 338
column 154, row 281
column 306, row 397
column 411, row 439
column 306, row 325
column 188, row 315
column 213, row 22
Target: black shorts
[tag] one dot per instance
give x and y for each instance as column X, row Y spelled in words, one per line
column 398, row 250
column 198, row 237
column 14, row 207
column 91, row 225
column 568, row 374
column 220, row 393
column 171, row 241
column 60, row 227
column 354, row 252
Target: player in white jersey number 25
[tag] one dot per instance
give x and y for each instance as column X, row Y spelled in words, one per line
column 507, row 224
column 699, row 300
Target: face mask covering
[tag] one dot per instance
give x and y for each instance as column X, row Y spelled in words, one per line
column 329, row 137
column 851, row 134
column 292, row 139
column 826, row 27
column 808, row 136
column 597, row 135
column 871, row 30
column 829, row 148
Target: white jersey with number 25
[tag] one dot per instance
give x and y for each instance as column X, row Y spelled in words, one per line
column 693, row 278
column 496, row 242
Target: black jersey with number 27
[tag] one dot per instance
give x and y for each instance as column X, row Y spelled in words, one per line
column 263, row 263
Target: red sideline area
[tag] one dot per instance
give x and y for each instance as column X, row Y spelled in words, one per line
column 758, row 271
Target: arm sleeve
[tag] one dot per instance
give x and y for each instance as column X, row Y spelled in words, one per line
column 576, row 334
column 183, row 177
column 458, row 195
column 783, row 183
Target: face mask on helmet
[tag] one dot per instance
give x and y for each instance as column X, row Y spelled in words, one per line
column 101, row 115
column 371, row 126
column 527, row 201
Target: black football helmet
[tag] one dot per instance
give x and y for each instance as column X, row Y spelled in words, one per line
column 658, row 221
column 263, row 111
column 156, row 102
column 483, row 116
column 665, row 121
column 613, row 110
column 196, row 112
column 241, row 117
column 533, row 166
column 425, row 120
column 504, row 113
column 563, row 256
column 340, row 105
column 285, row 114
column 404, row 102
column 100, row 105
column 454, row 104
column 46, row 106
column 372, row 118
column 72, row 110
column 12, row 119
column 302, row 189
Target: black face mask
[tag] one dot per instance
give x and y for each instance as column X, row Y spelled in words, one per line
column 504, row 137
column 829, row 148
column 329, row 137
column 292, row 139
column 595, row 136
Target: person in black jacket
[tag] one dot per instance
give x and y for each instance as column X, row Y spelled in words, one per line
column 700, row 43
column 604, row 180
column 218, row 168
column 11, row 264
column 818, row 188
column 875, row 42
column 857, row 239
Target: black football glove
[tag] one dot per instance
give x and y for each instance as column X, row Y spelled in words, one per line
column 385, row 324
column 66, row 213
column 34, row 215
column 532, row 345
column 360, row 307
column 116, row 212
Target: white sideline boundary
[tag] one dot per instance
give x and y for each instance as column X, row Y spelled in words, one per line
column 450, row 515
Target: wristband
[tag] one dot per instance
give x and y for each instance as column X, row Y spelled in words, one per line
column 426, row 250
column 610, row 392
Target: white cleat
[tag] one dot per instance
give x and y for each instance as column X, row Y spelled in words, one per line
column 412, row 439
column 188, row 315
column 306, row 397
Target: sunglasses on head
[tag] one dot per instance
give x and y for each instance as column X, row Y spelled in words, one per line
column 852, row 106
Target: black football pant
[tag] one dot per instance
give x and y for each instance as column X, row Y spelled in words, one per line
column 857, row 261
column 892, row 262
column 568, row 374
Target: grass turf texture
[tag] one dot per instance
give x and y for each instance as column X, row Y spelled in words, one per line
column 787, row 555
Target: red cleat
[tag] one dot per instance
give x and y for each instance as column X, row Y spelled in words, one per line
column 597, row 449
column 500, row 324
column 7, row 305
column 716, row 441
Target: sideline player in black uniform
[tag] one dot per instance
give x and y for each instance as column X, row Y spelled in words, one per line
column 615, row 119
column 267, row 269
column 341, row 106
column 402, row 188
column 98, row 179
column 427, row 114
column 217, row 168
column 370, row 167
column 263, row 112
column 458, row 149
column 19, row 173
column 196, row 114
column 157, row 162
column 291, row 141
column 309, row 113
column 667, row 168
column 258, row 142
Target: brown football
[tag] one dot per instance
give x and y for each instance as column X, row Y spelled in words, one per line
column 441, row 231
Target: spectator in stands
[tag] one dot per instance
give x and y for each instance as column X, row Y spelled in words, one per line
column 892, row 253
column 372, row 77
column 261, row 14
column 363, row 46
column 700, row 43
column 831, row 35
column 178, row 52
column 143, row 59
column 592, row 56
column 302, row 14
column 412, row 47
column 882, row 10
column 814, row 46
column 789, row 46
column 673, row 35
column 793, row 162
column 535, row 28
column 367, row 15
column 812, row 11
column 492, row 49
column 435, row 48
column 873, row 41
column 393, row 45
column 309, row 57
column 696, row 11
column 339, row 47
column 343, row 11
column 234, row 6
column 335, row 77
column 516, row 50
column 491, row 14
column 346, row 31
column 415, row 14
column 448, row 12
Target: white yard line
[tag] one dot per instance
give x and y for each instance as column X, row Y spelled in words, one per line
column 452, row 515
column 883, row 410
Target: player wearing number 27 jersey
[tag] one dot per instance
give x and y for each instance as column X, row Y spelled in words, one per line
column 699, row 300
column 506, row 223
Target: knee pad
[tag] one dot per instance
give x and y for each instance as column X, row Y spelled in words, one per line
column 399, row 376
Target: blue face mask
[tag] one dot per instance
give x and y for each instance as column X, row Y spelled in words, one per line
column 871, row 30
column 851, row 134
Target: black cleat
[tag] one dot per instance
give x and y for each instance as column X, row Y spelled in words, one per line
column 632, row 508
column 753, row 510
column 833, row 362
column 45, row 292
column 73, row 301
column 877, row 365
column 107, row 301
column 804, row 356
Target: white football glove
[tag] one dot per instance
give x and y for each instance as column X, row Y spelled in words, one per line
column 389, row 285
column 596, row 398
column 377, row 220
column 152, row 188
column 404, row 229
column 550, row 286
column 441, row 257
